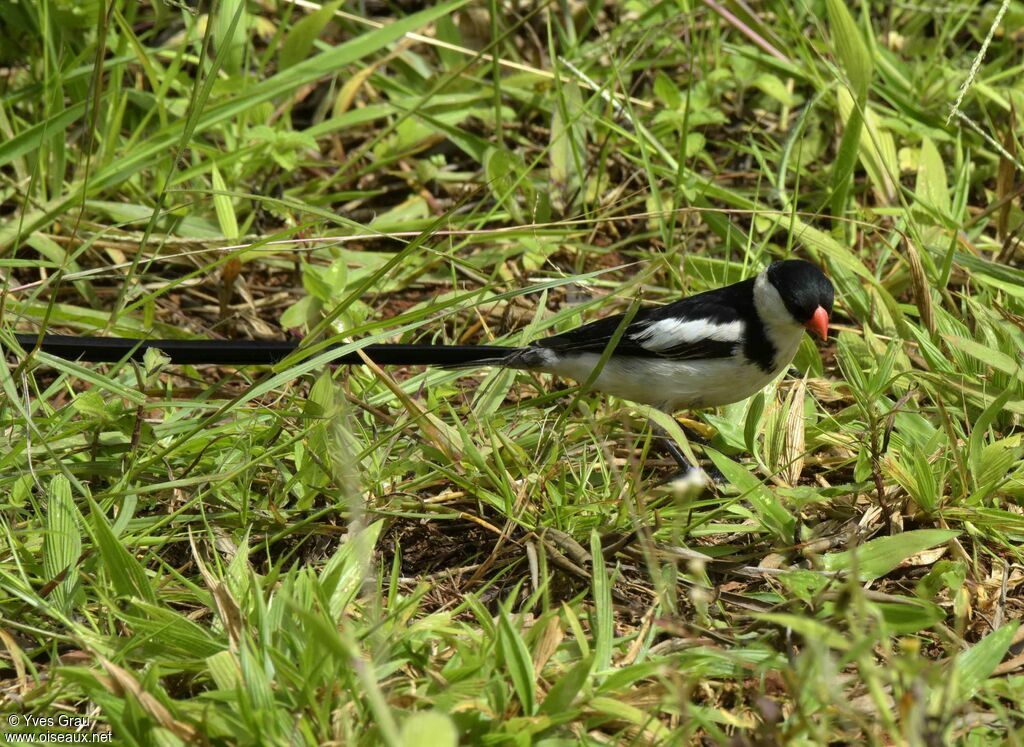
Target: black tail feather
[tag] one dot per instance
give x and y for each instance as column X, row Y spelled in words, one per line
column 246, row 353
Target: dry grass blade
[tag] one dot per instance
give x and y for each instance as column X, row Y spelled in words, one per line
column 794, row 443
column 123, row 684
column 748, row 32
column 921, row 286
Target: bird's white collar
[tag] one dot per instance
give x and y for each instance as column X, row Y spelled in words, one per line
column 783, row 331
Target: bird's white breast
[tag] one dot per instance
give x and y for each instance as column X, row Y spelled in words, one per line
column 673, row 385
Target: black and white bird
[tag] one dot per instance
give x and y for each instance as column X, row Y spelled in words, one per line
column 710, row 349
column 706, row 350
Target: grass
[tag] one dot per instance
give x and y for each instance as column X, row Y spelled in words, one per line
column 310, row 554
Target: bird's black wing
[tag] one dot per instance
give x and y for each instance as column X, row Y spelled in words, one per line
column 594, row 337
column 711, row 325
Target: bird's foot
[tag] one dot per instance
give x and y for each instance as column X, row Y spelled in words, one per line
column 690, row 477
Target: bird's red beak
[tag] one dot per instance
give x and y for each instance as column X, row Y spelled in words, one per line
column 819, row 323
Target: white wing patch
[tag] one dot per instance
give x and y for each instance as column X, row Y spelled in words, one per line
column 666, row 334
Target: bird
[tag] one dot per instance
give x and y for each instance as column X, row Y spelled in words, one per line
column 705, row 350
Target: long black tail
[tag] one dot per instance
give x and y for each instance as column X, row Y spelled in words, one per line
column 246, row 353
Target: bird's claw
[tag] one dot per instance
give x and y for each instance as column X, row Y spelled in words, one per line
column 694, row 478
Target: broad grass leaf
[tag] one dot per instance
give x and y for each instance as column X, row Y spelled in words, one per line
column 505, row 170
column 130, row 214
column 230, row 29
column 855, row 60
column 728, row 431
column 568, row 147
column 938, row 362
column 852, row 52
column 429, row 728
column 994, row 358
column 304, row 33
column 127, row 575
column 579, row 636
column 752, row 424
column 667, row 90
column 223, row 668
column 222, row 205
column 338, row 640
column 344, row 573
column 446, row 124
column 623, row 711
column 31, row 138
column 773, row 86
column 518, row 663
column 347, row 94
column 62, row 544
column 1010, row 287
column 887, row 364
column 922, row 480
column 976, row 664
column 411, row 214
column 166, row 633
column 784, row 435
column 562, row 694
column 258, row 686
column 767, row 508
column 490, row 396
column 602, row 622
column 876, row 146
column 447, row 31
column 622, row 678
column 854, row 358
column 931, row 188
column 325, row 283
column 979, row 431
column 878, row 557
column 912, row 616
column 808, row 627
column 995, row 466
column 985, row 267
column 804, row 585
column 302, row 314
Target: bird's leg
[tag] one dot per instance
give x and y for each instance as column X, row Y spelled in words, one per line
column 669, row 445
column 687, row 470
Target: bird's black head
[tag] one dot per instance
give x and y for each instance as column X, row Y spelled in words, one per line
column 806, row 292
